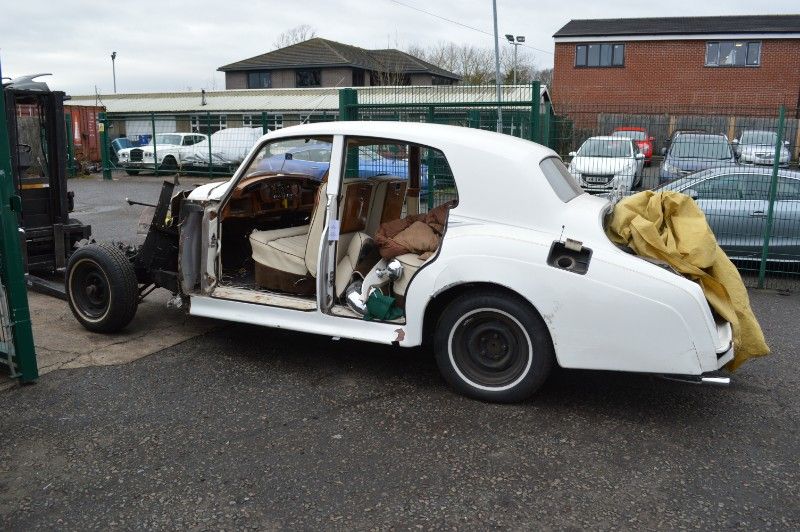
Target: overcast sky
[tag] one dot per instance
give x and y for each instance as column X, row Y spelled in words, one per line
column 172, row 45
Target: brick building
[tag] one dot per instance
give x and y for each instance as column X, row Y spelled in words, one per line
column 731, row 62
column 324, row 63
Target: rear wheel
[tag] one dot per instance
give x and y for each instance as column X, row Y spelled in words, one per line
column 493, row 347
column 101, row 286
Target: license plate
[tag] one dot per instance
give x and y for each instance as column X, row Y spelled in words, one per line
column 597, row 180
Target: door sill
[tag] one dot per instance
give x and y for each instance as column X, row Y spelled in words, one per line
column 272, row 299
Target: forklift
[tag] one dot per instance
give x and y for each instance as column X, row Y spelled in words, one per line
column 37, row 136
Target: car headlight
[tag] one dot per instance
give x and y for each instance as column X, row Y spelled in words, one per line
column 148, row 155
column 123, row 155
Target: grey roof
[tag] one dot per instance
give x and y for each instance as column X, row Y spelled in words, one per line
column 317, row 99
column 318, row 53
column 681, row 25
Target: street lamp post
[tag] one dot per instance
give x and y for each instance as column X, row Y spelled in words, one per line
column 497, row 68
column 114, row 70
column 516, row 42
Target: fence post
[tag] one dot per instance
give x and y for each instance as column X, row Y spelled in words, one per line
column 773, row 190
column 103, row 126
column 70, row 146
column 155, row 154
column 536, row 89
column 12, row 270
column 348, row 104
column 208, row 131
column 263, row 122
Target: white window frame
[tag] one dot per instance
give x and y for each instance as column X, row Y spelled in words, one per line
column 194, row 124
column 223, row 122
column 247, row 120
column 746, row 45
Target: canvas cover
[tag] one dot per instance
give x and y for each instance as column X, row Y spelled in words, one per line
column 671, row 227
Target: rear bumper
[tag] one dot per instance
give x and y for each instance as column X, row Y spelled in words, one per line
column 724, row 350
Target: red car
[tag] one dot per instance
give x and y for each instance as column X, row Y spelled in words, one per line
column 640, row 137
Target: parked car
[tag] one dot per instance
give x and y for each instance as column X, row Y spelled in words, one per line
column 758, row 147
column 118, row 144
column 605, row 164
column 640, row 137
column 228, row 149
column 168, row 152
column 735, row 201
column 692, row 152
column 521, row 277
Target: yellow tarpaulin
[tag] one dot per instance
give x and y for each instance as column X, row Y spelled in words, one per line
column 671, row 227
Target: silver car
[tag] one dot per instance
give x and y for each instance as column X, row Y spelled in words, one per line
column 735, row 201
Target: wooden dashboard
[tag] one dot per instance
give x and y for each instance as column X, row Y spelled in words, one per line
column 271, row 195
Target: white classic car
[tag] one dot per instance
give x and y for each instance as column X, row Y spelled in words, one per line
column 168, row 152
column 606, row 164
column 508, row 277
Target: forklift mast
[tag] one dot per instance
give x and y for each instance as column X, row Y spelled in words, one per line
column 37, row 136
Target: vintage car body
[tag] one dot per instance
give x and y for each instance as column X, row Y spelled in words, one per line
column 524, row 236
column 167, row 154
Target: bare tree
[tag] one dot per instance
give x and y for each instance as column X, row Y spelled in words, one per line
column 475, row 65
column 295, row 35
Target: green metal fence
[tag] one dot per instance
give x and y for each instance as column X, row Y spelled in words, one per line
column 17, row 352
column 756, row 222
column 198, row 144
column 739, row 164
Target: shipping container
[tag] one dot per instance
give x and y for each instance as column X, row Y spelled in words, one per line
column 85, row 135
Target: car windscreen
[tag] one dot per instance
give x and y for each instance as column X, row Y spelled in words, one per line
column 167, row 139
column 759, row 137
column 564, row 185
column 605, row 148
column 700, row 147
column 625, row 134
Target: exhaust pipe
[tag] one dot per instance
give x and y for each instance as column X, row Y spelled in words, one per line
column 714, row 380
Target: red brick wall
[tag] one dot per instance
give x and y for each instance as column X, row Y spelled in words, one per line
column 672, row 74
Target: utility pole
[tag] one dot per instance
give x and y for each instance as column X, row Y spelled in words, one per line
column 516, row 42
column 497, row 68
column 114, row 70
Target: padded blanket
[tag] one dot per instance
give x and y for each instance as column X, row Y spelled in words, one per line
column 419, row 234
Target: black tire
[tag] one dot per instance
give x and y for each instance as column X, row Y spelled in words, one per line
column 101, row 288
column 168, row 166
column 132, row 172
column 493, row 347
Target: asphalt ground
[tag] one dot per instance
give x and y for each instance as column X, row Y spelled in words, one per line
column 251, row 427
column 264, row 428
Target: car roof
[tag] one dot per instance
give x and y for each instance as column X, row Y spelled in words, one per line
column 475, row 157
column 629, row 128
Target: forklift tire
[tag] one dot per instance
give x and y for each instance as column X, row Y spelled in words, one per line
column 101, row 287
column 132, row 172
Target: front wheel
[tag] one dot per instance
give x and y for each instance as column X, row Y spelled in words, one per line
column 101, row 286
column 132, row 172
column 493, row 347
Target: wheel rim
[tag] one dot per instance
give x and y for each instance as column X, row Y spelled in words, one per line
column 490, row 349
column 90, row 291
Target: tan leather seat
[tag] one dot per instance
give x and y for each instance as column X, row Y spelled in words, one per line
column 286, row 259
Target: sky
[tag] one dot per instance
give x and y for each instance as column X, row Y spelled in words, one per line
column 175, row 45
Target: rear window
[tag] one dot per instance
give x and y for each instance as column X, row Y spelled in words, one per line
column 564, row 185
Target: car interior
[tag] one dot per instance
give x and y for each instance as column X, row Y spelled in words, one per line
column 273, row 221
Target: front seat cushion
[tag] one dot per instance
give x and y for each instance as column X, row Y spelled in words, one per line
column 282, row 249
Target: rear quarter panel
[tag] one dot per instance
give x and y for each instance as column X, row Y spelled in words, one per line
column 623, row 314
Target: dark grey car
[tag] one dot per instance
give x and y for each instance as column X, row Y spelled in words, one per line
column 735, row 201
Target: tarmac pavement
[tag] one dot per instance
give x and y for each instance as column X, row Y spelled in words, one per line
column 264, row 428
